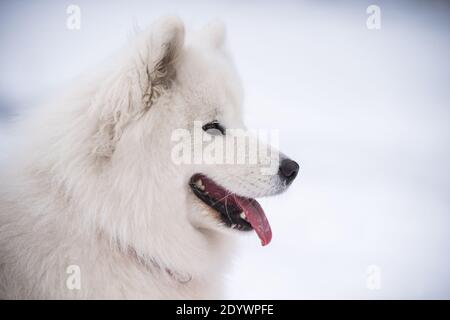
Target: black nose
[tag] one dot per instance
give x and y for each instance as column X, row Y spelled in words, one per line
column 288, row 170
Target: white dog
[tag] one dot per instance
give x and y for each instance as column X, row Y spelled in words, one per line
column 93, row 205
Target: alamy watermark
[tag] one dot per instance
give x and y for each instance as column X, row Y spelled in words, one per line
column 373, row 277
column 73, row 21
column 237, row 146
column 373, row 21
column 73, row 280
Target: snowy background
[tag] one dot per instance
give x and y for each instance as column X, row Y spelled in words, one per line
column 365, row 113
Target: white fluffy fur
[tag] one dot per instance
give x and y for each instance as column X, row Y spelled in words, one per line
column 92, row 183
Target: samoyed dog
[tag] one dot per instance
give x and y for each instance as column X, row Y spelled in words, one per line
column 103, row 198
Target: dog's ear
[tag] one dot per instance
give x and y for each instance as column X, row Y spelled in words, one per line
column 214, row 34
column 135, row 85
column 164, row 44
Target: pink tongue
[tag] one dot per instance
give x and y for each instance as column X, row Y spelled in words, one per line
column 256, row 217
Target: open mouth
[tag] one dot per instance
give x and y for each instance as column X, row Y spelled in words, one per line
column 236, row 212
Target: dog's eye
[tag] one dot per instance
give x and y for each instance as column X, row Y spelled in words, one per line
column 214, row 128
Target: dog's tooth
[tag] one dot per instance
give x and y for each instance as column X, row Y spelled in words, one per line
column 242, row 215
column 200, row 185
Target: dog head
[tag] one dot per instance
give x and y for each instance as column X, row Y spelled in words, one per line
column 170, row 138
column 139, row 148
